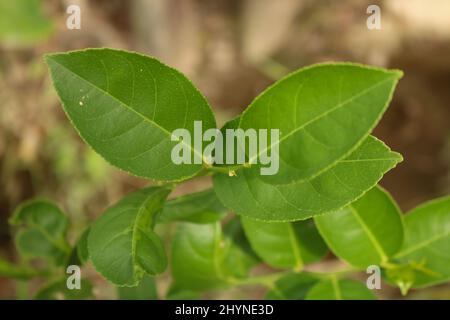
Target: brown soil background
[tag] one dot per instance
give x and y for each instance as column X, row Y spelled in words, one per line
column 231, row 50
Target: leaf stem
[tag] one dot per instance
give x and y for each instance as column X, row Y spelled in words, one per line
column 270, row 279
column 265, row 280
column 225, row 170
column 10, row 270
column 335, row 273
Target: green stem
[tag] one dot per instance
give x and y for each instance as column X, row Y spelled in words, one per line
column 225, row 170
column 20, row 272
column 265, row 280
column 270, row 279
column 336, row 273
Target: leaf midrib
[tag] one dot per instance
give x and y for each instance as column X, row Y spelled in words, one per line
column 336, row 288
column 295, row 247
column 136, row 225
column 377, row 246
column 338, row 106
column 146, row 119
column 422, row 244
column 58, row 244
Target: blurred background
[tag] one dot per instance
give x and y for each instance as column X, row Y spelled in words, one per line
column 232, row 50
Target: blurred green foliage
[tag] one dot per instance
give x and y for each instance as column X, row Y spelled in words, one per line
column 23, row 23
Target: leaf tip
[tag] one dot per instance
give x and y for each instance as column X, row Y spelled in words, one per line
column 397, row 72
column 398, row 156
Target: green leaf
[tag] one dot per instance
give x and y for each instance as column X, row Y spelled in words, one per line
column 145, row 290
column 175, row 293
column 22, row 23
column 199, row 207
column 126, row 105
column 426, row 248
column 366, row 232
column 293, row 286
column 248, row 195
column 122, row 244
column 206, row 257
column 241, row 257
column 288, row 245
column 402, row 276
column 82, row 246
column 335, row 289
column 224, row 147
column 80, row 253
column 42, row 232
column 323, row 112
column 58, row 290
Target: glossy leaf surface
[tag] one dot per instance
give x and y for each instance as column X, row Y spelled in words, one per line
column 126, row 106
column 288, row 245
column 323, row 112
column 248, row 195
column 427, row 242
column 367, row 232
column 334, row 289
